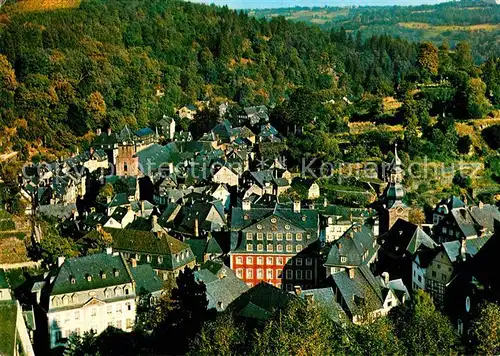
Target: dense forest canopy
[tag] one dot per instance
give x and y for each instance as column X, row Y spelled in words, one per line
column 68, row 72
column 472, row 20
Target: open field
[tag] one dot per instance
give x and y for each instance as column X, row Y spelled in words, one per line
column 44, row 5
column 443, row 28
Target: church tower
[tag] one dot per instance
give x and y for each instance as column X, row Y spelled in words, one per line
column 127, row 163
column 395, row 208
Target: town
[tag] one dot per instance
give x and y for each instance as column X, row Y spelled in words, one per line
column 146, row 205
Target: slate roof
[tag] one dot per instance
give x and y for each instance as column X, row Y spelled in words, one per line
column 260, row 302
column 59, row 211
column 222, row 285
column 144, row 132
column 156, row 156
column 119, row 214
column 405, row 237
column 126, row 135
column 364, row 287
column 93, row 265
column 472, row 247
column 146, row 279
column 146, row 242
column 357, row 245
column 202, row 246
column 325, row 297
column 452, row 202
column 105, row 139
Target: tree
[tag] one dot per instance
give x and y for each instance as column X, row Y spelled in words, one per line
column 492, row 136
column 378, row 337
column 464, row 143
column 120, row 186
column 417, row 216
column 463, row 56
column 106, row 192
column 477, row 103
column 421, row 328
column 300, row 329
column 220, row 337
column 486, row 330
column 428, row 58
column 53, row 245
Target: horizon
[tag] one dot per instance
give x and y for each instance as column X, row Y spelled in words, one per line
column 277, row 4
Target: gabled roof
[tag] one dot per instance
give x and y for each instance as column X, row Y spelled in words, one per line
column 144, row 132
column 92, row 265
column 146, row 279
column 405, row 237
column 260, row 302
column 357, row 245
column 362, row 289
column 472, row 247
column 135, row 241
column 325, row 297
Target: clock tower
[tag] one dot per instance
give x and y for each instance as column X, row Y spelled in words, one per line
column 395, row 208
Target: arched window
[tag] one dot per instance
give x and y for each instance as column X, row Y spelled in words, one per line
column 125, row 167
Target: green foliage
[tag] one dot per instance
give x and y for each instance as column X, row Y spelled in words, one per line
column 106, row 192
column 421, row 328
column 428, row 58
column 54, row 245
column 492, row 136
column 486, row 330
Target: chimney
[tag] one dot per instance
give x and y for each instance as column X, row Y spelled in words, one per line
column 142, row 208
column 246, row 204
column 99, row 227
column 98, row 132
column 133, row 262
column 60, row 261
column 154, row 219
column 298, row 290
column 109, row 250
column 463, row 249
column 385, row 275
column 91, row 150
column 296, row 206
column 220, row 305
column 481, row 205
column 109, row 131
column 196, row 227
column 325, row 202
column 351, row 273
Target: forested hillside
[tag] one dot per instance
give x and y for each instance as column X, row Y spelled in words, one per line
column 475, row 21
column 67, row 72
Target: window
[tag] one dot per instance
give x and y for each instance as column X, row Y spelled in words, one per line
column 443, row 277
column 148, row 258
column 77, row 315
column 119, row 308
column 269, row 236
column 110, row 323
column 269, row 261
column 58, row 336
column 118, row 324
column 298, row 274
column 126, row 291
column 289, row 236
column 279, row 273
column 298, row 248
column 287, row 227
column 259, row 227
column 260, row 260
column 343, row 259
column 308, row 236
column 249, row 236
column 129, row 323
column 249, row 273
column 239, row 273
column 129, row 306
column 273, row 220
column 93, row 313
column 279, row 248
column 249, row 260
column 309, row 261
column 438, row 266
column 289, row 248
column 279, row 236
column 270, row 248
column 77, row 331
column 137, row 257
column 160, row 259
column 289, row 274
column 260, row 236
column 309, row 274
column 260, row 273
column 109, row 309
column 389, row 304
column 269, row 273
column 239, row 260
column 298, row 236
column 279, row 261
column 298, row 261
column 260, row 247
column 249, row 247
column 433, row 274
column 444, row 230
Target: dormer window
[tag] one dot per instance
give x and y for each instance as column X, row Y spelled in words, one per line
column 273, row 220
column 116, row 273
column 88, row 277
column 72, row 280
column 103, row 275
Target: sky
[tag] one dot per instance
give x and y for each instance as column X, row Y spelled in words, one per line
column 263, row 4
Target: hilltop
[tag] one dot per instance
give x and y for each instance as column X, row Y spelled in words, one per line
column 474, row 21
